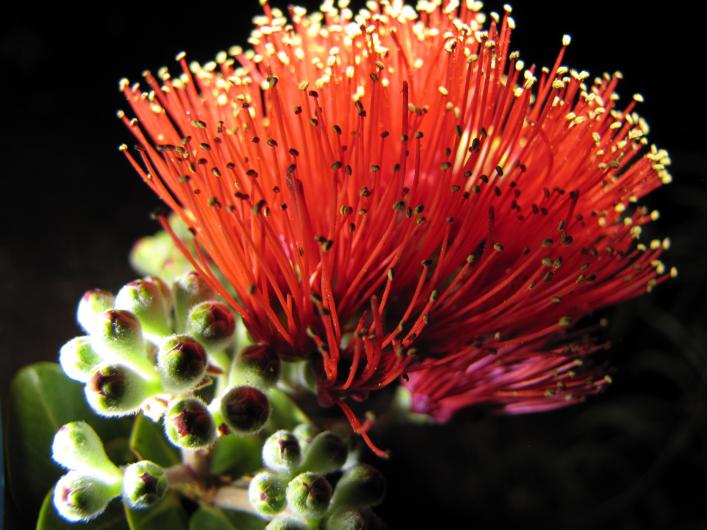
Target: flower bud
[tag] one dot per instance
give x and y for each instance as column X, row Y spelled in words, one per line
column 79, row 497
column 305, row 375
column 281, row 452
column 360, row 486
column 114, row 390
column 305, row 433
column 325, row 454
column 308, row 495
column 255, row 365
column 117, row 337
column 353, row 519
column 182, row 362
column 145, row 300
column 266, row 493
column 144, row 484
column 77, row 447
column 157, row 254
column 77, row 358
column 245, row 409
column 189, row 290
column 92, row 305
column 165, row 290
column 189, row 425
column 213, row 325
column 286, row 522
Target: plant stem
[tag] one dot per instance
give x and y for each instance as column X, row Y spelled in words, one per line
column 197, row 460
column 233, row 498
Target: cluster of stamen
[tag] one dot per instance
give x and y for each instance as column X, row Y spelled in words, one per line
column 395, row 191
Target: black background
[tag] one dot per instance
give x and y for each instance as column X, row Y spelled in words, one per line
column 70, row 206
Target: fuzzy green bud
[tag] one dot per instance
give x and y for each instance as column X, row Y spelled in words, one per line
column 266, row 493
column 115, row 390
column 144, row 484
column 189, row 290
column 255, row 365
column 78, row 358
column 245, row 409
column 91, row 306
column 353, row 519
column 360, row 486
column 326, row 453
column 117, row 337
column 182, row 362
column 78, row 497
column 165, row 290
column 188, row 424
column 77, row 447
column 305, row 433
column 281, row 452
column 286, row 522
column 146, row 301
column 213, row 325
column 308, row 495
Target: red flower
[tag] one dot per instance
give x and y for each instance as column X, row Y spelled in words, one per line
column 396, row 193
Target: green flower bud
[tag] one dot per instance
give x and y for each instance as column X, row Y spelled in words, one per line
column 255, row 365
column 144, row 483
column 77, row 358
column 92, row 305
column 213, row 325
column 353, row 519
column 117, row 337
column 114, row 390
column 188, row 424
column 77, row 447
column 286, row 522
column 245, row 409
column 266, row 493
column 157, row 254
column 305, row 433
column 189, row 290
column 145, row 300
column 165, row 290
column 306, row 376
column 79, row 497
column 360, row 486
column 182, row 362
column 281, row 452
column 325, row 454
column 308, row 495
column 243, row 336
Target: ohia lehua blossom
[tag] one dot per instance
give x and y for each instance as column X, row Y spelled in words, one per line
column 394, row 195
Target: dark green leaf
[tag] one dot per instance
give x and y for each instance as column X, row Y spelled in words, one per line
column 148, row 442
column 236, row 455
column 41, row 400
column 285, row 412
column 112, row 519
column 168, row 514
column 210, row 518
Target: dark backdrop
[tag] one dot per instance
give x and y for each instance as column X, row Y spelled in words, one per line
column 634, row 458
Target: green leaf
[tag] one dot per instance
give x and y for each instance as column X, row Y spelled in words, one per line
column 148, row 442
column 42, row 399
column 167, row 514
column 210, row 518
column 236, row 455
column 285, row 413
column 112, row 519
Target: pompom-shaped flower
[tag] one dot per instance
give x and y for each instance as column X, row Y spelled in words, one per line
column 394, row 193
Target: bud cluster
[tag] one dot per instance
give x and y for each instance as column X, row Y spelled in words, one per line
column 93, row 480
column 155, row 349
column 310, row 479
column 151, row 348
